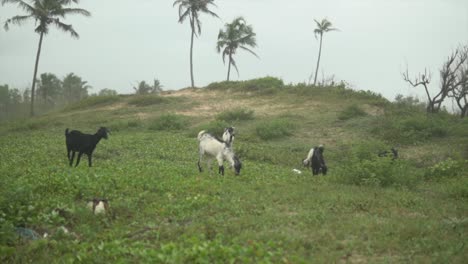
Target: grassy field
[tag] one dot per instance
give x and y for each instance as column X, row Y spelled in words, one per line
column 162, row 210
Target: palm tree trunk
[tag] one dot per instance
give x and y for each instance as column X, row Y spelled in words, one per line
column 318, row 60
column 35, row 73
column 191, row 55
column 229, row 67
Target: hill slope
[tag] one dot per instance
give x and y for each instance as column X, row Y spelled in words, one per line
column 162, row 209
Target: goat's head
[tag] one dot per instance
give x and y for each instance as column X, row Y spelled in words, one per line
column 103, row 132
column 321, row 148
column 228, row 134
column 237, row 165
column 230, row 130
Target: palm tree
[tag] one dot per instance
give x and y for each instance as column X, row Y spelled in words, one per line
column 191, row 9
column 236, row 35
column 44, row 13
column 322, row 27
column 74, row 88
column 49, row 87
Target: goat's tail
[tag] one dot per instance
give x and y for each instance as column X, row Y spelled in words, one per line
column 66, row 131
column 200, row 134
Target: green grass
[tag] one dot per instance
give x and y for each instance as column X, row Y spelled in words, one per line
column 162, row 210
column 274, row 129
column 93, row 101
column 147, row 100
column 169, row 122
column 236, row 115
column 351, row 111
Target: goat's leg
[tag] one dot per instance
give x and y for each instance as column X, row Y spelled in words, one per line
column 68, row 154
column 89, row 160
column 78, row 159
column 72, row 158
column 324, row 169
column 200, row 157
column 199, row 162
column 315, row 170
column 219, row 158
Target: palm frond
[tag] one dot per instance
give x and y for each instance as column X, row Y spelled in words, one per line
column 225, row 53
column 249, row 50
column 16, row 20
column 179, row 2
column 67, row 2
column 184, row 15
column 62, row 12
column 198, row 24
column 206, row 10
column 22, row 4
column 65, row 27
column 233, row 63
column 248, row 40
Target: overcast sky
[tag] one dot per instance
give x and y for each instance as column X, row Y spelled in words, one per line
column 126, row 41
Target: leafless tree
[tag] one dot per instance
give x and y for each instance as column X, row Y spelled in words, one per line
column 460, row 90
column 451, row 81
column 423, row 80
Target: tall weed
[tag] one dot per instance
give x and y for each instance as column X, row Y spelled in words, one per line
column 274, row 129
column 239, row 114
column 169, row 122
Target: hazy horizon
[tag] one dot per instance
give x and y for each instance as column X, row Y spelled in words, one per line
column 128, row 41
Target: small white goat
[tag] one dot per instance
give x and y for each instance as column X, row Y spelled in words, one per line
column 221, row 150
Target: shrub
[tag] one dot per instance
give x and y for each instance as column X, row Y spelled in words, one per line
column 274, row 129
column 215, row 127
column 458, row 188
column 28, row 124
column 447, row 169
column 351, row 111
column 235, row 115
column 169, row 122
column 361, row 165
column 383, row 172
column 409, row 128
column 263, row 83
column 124, row 124
column 146, row 100
column 267, row 85
column 93, row 101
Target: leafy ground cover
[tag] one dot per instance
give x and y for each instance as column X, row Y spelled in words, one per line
column 367, row 210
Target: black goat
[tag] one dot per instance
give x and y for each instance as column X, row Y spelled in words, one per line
column 393, row 153
column 83, row 143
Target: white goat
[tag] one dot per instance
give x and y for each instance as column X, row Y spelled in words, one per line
column 221, row 150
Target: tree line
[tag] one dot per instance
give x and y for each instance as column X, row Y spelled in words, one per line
column 51, row 92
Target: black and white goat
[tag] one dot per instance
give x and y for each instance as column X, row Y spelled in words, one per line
column 218, row 149
column 83, row 143
column 392, row 153
column 228, row 135
column 316, row 160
